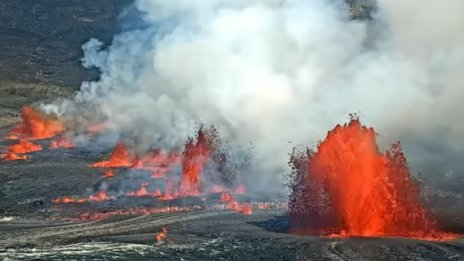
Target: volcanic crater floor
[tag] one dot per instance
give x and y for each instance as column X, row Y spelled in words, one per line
column 202, row 235
column 34, row 228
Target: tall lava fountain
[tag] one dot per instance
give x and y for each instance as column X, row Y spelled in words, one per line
column 347, row 187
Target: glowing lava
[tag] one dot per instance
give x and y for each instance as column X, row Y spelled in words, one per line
column 162, row 235
column 196, row 154
column 143, row 191
column 108, row 173
column 99, row 196
column 158, row 162
column 35, row 125
column 16, row 151
column 120, row 157
column 234, row 205
column 348, row 188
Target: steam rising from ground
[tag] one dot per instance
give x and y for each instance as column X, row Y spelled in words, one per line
column 280, row 73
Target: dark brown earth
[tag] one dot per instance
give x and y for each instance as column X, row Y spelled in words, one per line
column 40, row 47
column 40, row 50
column 41, row 39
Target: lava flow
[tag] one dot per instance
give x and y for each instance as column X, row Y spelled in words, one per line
column 99, row 196
column 35, row 125
column 158, row 162
column 17, row 151
column 165, row 183
column 348, row 188
column 234, row 205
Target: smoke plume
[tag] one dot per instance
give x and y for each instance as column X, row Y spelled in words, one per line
column 282, row 72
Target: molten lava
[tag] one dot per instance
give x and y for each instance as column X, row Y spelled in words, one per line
column 348, row 188
column 234, row 205
column 108, row 173
column 158, row 162
column 143, row 191
column 162, row 235
column 166, row 197
column 99, row 196
column 246, row 209
column 120, row 157
column 204, row 149
column 23, row 147
column 196, row 154
column 66, row 200
column 34, row 125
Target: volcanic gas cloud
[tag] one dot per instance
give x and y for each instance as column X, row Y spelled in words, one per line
column 347, row 187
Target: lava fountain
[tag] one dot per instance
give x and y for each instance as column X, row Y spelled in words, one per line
column 196, row 154
column 120, row 157
column 347, row 187
column 35, row 125
column 17, row 151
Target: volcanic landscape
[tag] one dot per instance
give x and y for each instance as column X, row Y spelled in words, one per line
column 75, row 185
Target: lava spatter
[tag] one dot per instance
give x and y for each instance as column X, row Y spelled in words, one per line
column 161, row 235
column 196, row 154
column 35, row 125
column 120, row 157
column 17, row 151
column 347, row 187
column 234, row 205
column 62, row 141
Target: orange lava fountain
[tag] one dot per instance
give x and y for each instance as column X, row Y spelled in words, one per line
column 120, row 157
column 348, row 188
column 196, row 154
column 34, row 125
column 15, row 151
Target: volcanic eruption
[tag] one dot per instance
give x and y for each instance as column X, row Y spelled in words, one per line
column 347, row 187
column 35, row 125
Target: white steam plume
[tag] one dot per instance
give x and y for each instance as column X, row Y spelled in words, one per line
column 271, row 72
